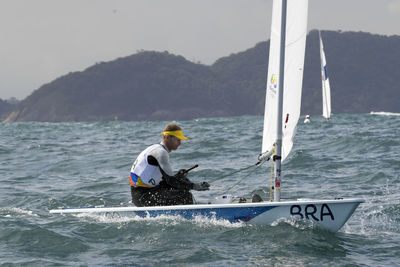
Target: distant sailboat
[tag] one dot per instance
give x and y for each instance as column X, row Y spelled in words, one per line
column 326, row 88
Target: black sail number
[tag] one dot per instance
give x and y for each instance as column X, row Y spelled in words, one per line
column 311, row 211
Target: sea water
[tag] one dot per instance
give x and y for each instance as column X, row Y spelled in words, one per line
column 44, row 166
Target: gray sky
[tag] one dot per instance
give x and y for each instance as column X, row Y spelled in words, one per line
column 44, row 39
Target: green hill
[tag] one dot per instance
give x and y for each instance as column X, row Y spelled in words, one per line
column 5, row 108
column 162, row 86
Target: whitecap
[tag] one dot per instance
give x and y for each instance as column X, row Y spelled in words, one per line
column 10, row 211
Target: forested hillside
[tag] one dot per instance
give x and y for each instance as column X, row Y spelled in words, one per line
column 160, row 86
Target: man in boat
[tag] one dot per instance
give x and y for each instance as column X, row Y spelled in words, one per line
column 152, row 180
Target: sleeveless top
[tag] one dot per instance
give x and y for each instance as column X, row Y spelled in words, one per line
column 142, row 173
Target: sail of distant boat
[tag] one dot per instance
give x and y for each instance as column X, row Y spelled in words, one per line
column 326, row 88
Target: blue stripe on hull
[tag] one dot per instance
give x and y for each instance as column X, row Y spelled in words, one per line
column 243, row 214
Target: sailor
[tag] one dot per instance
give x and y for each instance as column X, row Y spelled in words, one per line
column 152, row 180
column 307, row 120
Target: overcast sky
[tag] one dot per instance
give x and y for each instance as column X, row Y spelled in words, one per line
column 44, row 39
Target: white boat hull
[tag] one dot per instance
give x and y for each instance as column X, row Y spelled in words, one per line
column 330, row 215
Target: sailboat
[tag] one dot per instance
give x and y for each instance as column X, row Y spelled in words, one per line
column 326, row 88
column 282, row 110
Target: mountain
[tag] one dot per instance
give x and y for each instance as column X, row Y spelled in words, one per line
column 144, row 86
column 161, row 86
column 6, row 107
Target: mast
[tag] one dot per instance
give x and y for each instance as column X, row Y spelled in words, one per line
column 284, row 83
column 278, row 156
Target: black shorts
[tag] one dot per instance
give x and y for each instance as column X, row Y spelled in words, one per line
column 162, row 195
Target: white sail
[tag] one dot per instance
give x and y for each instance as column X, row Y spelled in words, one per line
column 296, row 32
column 326, row 88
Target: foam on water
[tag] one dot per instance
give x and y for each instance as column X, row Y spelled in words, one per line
column 14, row 211
column 199, row 221
column 382, row 113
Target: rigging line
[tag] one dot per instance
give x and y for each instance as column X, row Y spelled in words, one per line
column 240, row 170
column 258, row 164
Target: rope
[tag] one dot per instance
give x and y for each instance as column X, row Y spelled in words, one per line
column 258, row 164
column 237, row 171
column 240, row 170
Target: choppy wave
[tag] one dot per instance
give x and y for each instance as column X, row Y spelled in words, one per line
column 13, row 211
column 383, row 113
column 50, row 165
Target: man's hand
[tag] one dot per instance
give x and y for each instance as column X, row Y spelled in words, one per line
column 182, row 173
column 203, row 186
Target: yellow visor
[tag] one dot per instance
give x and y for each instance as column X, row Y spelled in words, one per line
column 178, row 134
